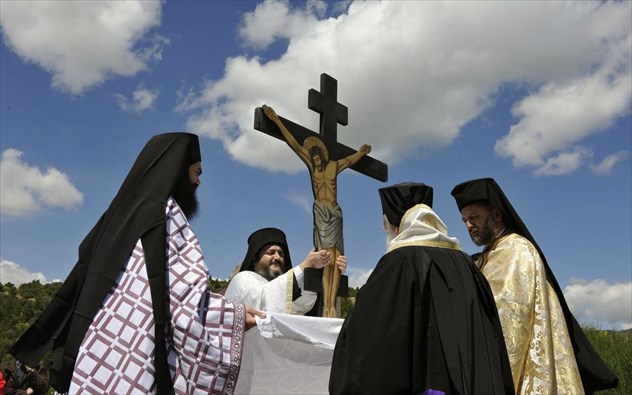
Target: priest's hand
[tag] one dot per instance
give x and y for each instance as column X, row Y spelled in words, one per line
column 316, row 259
column 341, row 262
column 251, row 313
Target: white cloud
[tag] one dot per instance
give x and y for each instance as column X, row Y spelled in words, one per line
column 358, row 277
column 605, row 166
column 273, row 19
column 564, row 162
column 82, row 43
column 26, row 189
column 601, row 303
column 414, row 73
column 142, row 99
column 301, row 201
column 11, row 272
column 558, row 116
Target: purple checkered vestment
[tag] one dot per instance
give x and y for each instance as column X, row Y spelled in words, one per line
column 206, row 332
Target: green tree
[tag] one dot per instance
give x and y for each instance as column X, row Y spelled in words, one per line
column 217, row 285
column 19, row 307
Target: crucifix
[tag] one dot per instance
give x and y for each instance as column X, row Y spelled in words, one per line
column 325, row 158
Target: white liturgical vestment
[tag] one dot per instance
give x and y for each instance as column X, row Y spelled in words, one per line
column 274, row 296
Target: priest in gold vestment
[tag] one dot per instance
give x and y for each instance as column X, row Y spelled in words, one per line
column 548, row 351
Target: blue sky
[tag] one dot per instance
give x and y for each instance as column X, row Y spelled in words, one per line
column 535, row 95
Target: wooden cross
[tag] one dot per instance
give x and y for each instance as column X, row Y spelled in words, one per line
column 325, row 158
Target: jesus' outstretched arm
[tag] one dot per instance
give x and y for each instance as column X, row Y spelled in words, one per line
column 352, row 159
column 289, row 139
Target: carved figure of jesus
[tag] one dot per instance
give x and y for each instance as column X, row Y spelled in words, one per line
column 327, row 213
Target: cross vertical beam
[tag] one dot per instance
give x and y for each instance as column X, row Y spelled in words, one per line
column 331, row 112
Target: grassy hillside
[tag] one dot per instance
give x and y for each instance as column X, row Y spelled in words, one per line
column 616, row 350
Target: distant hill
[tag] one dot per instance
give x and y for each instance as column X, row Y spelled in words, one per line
column 626, row 331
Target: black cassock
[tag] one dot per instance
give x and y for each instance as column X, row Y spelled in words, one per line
column 425, row 319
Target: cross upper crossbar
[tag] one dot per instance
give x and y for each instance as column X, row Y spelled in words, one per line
column 368, row 166
column 331, row 113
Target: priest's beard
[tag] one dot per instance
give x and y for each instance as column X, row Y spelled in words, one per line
column 485, row 234
column 186, row 198
column 269, row 273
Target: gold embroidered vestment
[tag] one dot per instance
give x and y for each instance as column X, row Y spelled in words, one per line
column 540, row 351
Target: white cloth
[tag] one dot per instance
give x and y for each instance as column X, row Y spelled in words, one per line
column 274, row 296
column 206, row 332
column 288, row 354
column 420, row 226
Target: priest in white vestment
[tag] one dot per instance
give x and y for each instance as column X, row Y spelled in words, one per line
column 266, row 279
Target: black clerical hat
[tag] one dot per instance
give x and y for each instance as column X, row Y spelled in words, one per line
column 261, row 238
column 486, row 189
column 399, row 198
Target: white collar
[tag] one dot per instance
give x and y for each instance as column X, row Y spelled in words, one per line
column 420, row 226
